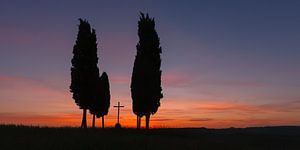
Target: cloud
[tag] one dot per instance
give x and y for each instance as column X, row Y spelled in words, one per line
column 220, row 107
column 184, row 80
column 11, row 82
column 161, row 119
column 234, row 83
column 201, row 119
column 26, row 38
column 189, row 81
column 226, row 106
column 176, row 79
column 24, row 94
column 118, row 79
column 288, row 106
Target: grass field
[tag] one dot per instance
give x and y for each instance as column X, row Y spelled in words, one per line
column 43, row 138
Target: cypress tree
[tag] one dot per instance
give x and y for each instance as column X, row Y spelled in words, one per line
column 100, row 105
column 84, row 70
column 104, row 97
column 146, row 90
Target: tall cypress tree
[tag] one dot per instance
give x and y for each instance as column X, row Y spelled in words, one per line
column 146, row 90
column 84, row 70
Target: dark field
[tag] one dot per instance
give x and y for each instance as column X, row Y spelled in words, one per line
column 36, row 138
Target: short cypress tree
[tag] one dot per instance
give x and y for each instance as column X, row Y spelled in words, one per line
column 104, row 97
column 84, row 70
column 146, row 90
column 100, row 106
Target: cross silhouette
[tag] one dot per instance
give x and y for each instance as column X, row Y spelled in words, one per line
column 119, row 106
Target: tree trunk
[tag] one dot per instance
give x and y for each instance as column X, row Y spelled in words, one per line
column 147, row 121
column 93, row 120
column 140, row 118
column 83, row 123
column 103, row 122
column 138, row 122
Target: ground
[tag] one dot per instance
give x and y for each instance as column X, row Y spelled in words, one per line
column 44, row 138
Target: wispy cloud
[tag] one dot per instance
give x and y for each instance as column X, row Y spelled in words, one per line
column 290, row 106
column 25, row 94
column 176, row 79
column 161, row 119
column 118, row 79
column 26, row 38
column 184, row 79
column 201, row 119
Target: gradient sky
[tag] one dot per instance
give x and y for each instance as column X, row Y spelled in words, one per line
column 225, row 63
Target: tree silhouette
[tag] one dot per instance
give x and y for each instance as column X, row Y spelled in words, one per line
column 104, row 97
column 94, row 106
column 84, row 70
column 146, row 90
column 100, row 106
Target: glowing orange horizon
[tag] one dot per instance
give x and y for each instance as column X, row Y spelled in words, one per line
column 35, row 103
column 212, row 115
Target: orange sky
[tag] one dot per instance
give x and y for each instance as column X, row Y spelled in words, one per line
column 31, row 102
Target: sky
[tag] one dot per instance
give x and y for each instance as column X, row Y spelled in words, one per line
column 224, row 63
